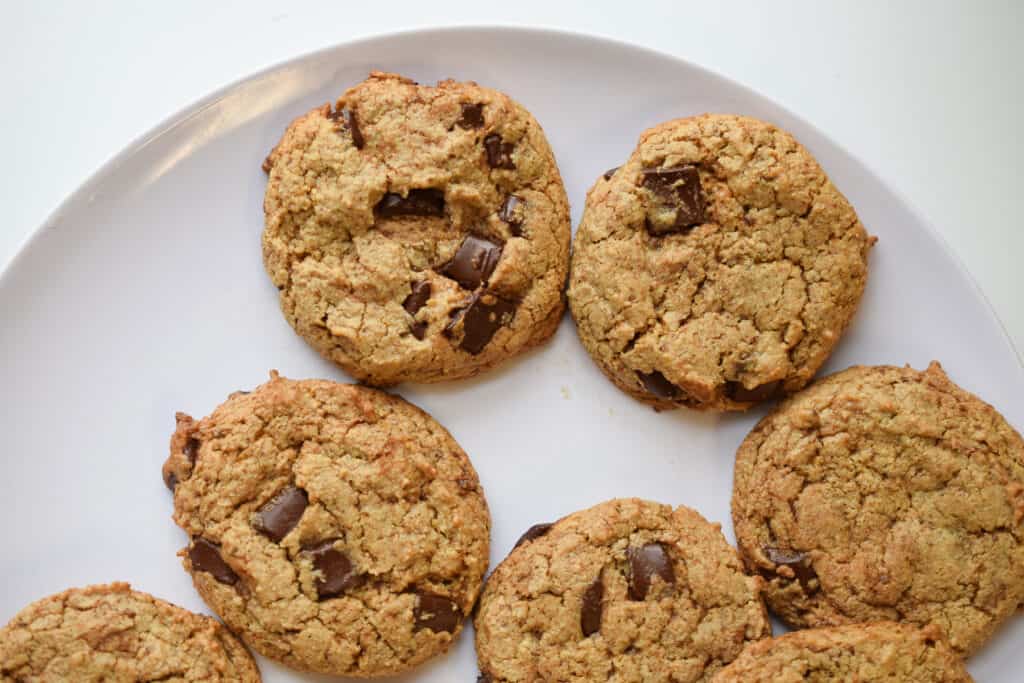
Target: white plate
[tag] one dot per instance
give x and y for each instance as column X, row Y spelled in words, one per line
column 145, row 294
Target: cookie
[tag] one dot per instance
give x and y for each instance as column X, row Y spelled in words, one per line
column 627, row 590
column 717, row 267
column 115, row 634
column 885, row 493
column 882, row 651
column 417, row 233
column 335, row 528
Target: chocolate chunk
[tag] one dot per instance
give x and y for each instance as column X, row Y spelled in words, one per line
column 348, row 119
column 499, row 154
column 609, row 173
column 484, row 678
column 798, row 562
column 281, row 513
column 645, row 563
column 337, row 573
column 472, row 116
column 656, row 383
column 428, row 202
column 205, row 557
column 417, row 299
column 191, row 449
column 534, row 532
column 437, row 613
column 474, row 262
column 171, row 480
column 481, row 318
column 679, row 202
column 737, row 392
column 512, row 212
column 590, row 611
column 419, row 329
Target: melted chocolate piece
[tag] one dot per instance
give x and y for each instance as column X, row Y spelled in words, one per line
column 534, row 532
column 473, row 263
column 171, row 480
column 679, row 203
column 590, row 610
column 436, row 612
column 512, row 211
column 798, row 562
column 191, row 449
column 481, row 318
column 347, row 119
column 472, row 116
column 655, row 383
column 737, row 392
column 609, row 173
column 428, row 202
column 484, row 678
column 645, row 563
column 337, row 573
column 499, row 154
column 418, row 298
column 281, row 513
column 419, row 329
column 205, row 557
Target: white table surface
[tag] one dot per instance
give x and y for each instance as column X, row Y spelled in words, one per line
column 929, row 94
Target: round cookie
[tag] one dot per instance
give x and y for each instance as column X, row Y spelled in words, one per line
column 717, row 267
column 882, row 651
column 334, row 527
column 885, row 493
column 114, row 634
column 626, row 590
column 417, row 233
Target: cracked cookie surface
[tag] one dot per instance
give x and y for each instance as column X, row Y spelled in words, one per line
column 334, row 527
column 417, row 233
column 627, row 590
column 115, row 634
column 883, row 651
column 717, row 267
column 885, row 493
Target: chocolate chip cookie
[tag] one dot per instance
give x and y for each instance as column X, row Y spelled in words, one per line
column 882, row 651
column 334, row 527
column 113, row 633
column 626, row 590
column 717, row 267
column 885, row 493
column 417, row 233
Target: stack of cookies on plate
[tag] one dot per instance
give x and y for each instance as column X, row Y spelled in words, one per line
column 422, row 234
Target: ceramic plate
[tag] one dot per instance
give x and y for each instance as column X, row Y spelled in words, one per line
column 145, row 294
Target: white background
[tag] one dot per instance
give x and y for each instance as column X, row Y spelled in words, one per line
column 929, row 94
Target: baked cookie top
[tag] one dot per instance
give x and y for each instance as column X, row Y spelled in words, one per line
column 885, row 493
column 417, row 233
column 881, row 651
column 334, row 527
column 114, row 634
column 717, row 267
column 626, row 590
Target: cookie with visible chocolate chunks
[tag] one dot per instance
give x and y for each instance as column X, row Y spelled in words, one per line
column 628, row 589
column 334, row 527
column 885, row 493
column 116, row 634
column 717, row 267
column 417, row 233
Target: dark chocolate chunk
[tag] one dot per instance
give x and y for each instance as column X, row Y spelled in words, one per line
column 474, row 262
column 737, row 392
column 191, row 449
column 348, row 119
column 428, row 202
column 281, row 513
column 511, row 212
column 499, row 154
column 679, row 201
column 417, row 299
column 609, row 173
column 171, row 480
column 419, row 329
column 483, row 315
column 590, row 611
column 472, row 116
column 484, row 678
column 656, row 383
column 205, row 557
column 798, row 562
column 645, row 563
column 337, row 573
column 437, row 613
column 534, row 532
